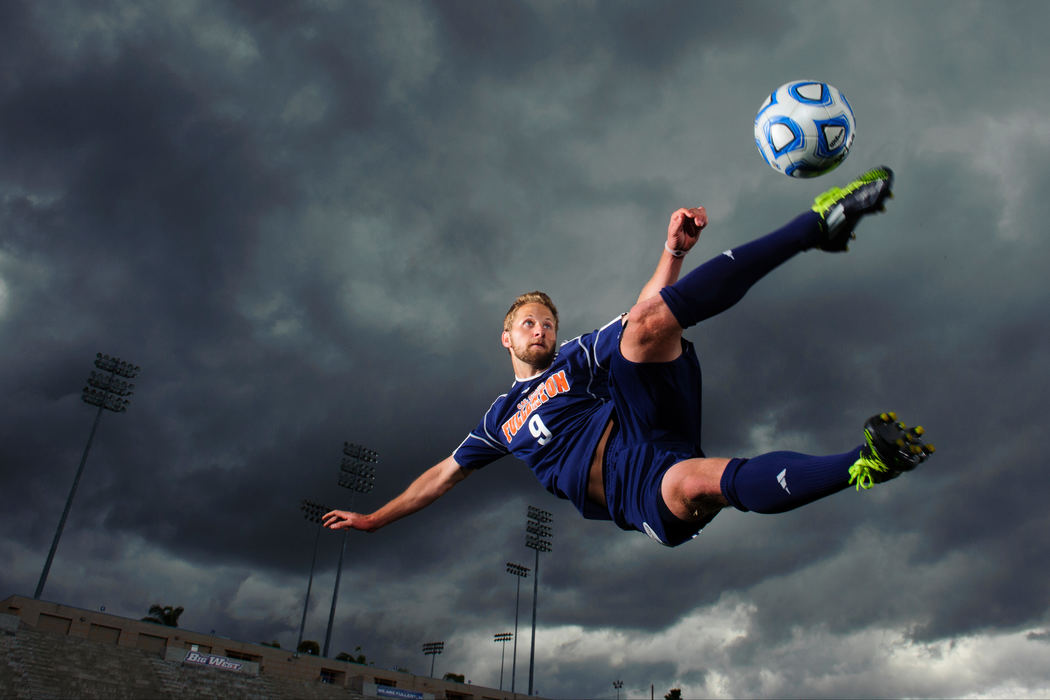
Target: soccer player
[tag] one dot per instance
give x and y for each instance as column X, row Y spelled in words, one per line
column 611, row 420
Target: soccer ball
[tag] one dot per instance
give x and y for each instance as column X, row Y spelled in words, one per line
column 805, row 128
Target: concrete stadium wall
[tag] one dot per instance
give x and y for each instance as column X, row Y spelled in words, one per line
column 48, row 650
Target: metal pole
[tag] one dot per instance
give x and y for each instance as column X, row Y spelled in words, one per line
column 357, row 473
column 335, row 593
column 309, row 585
column 535, row 592
column 538, row 537
column 431, row 649
column 514, row 662
column 65, row 511
column 108, row 393
column 502, row 663
column 521, row 572
column 502, row 638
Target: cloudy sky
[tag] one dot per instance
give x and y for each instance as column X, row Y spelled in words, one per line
column 305, row 221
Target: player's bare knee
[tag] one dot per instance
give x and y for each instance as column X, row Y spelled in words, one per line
column 642, row 329
column 700, row 487
column 650, row 324
column 692, row 488
column 698, row 479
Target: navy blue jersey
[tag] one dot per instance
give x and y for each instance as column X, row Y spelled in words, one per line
column 552, row 422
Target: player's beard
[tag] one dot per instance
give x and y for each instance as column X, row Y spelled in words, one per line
column 537, row 356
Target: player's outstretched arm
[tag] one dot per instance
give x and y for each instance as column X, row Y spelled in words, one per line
column 683, row 231
column 427, row 488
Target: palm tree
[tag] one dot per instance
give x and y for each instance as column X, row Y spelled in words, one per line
column 359, row 658
column 164, row 615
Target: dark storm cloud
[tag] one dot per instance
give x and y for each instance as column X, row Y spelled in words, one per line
column 306, row 222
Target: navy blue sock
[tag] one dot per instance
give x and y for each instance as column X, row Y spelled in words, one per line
column 722, row 281
column 781, row 481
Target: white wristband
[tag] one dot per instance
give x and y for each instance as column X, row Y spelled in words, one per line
column 675, row 253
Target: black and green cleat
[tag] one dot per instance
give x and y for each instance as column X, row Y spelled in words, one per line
column 840, row 208
column 892, row 448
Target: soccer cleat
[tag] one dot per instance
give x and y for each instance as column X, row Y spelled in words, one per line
column 841, row 208
column 892, row 448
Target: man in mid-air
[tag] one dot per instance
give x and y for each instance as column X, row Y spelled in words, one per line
column 611, row 420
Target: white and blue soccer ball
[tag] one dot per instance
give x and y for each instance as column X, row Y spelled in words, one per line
column 805, row 128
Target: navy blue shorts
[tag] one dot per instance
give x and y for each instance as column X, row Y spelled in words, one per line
column 656, row 425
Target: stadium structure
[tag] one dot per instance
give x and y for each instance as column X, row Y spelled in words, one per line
column 50, row 650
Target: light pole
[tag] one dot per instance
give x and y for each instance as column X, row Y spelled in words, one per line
column 539, row 534
column 520, row 572
column 618, row 685
column 432, row 649
column 109, row 393
column 313, row 512
column 357, row 472
column 502, row 637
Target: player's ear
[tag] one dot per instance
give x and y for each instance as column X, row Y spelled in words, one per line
column 506, row 339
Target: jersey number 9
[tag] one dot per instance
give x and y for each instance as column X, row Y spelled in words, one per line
column 538, row 429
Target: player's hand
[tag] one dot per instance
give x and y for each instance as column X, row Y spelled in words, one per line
column 345, row 520
column 684, row 229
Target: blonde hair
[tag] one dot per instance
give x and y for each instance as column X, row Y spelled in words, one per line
column 530, row 298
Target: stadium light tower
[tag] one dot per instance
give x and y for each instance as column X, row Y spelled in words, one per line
column 107, row 390
column 313, row 512
column 432, row 649
column 502, row 638
column 520, row 572
column 357, row 472
column 539, row 533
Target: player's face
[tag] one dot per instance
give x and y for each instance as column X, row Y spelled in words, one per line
column 533, row 336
